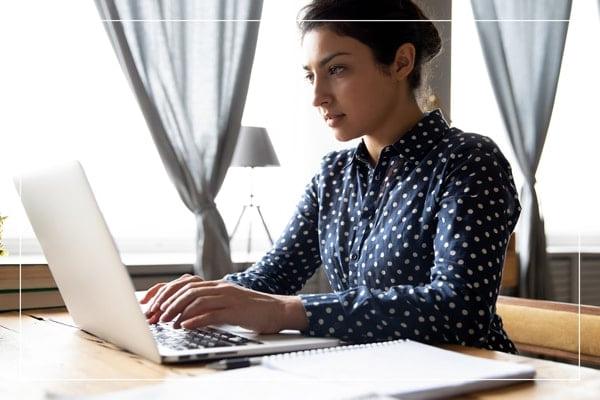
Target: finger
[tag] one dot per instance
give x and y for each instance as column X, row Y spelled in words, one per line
column 215, row 317
column 154, row 318
column 185, row 298
column 150, row 308
column 185, row 289
column 171, row 288
column 160, row 291
column 151, row 292
column 163, row 294
column 197, row 306
column 149, row 315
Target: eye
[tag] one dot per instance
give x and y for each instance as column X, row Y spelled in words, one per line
column 336, row 69
column 309, row 78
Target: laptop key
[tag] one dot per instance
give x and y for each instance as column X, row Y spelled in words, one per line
column 182, row 339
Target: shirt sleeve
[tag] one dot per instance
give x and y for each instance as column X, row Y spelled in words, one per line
column 294, row 257
column 477, row 208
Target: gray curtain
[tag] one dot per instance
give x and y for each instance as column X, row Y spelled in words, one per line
column 523, row 60
column 191, row 80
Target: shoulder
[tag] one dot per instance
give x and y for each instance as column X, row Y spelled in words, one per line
column 463, row 142
column 463, row 148
column 336, row 161
column 332, row 166
column 476, row 166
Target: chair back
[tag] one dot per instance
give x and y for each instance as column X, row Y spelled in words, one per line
column 549, row 329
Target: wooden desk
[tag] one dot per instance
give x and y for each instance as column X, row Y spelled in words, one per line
column 58, row 358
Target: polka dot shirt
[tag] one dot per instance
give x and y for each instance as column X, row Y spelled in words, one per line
column 412, row 247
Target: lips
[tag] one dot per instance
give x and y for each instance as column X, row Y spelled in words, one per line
column 334, row 120
column 332, row 116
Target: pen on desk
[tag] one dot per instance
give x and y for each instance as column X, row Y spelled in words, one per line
column 232, row 363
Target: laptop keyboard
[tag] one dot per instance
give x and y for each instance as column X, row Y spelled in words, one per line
column 192, row 339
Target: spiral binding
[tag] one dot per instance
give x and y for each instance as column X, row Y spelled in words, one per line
column 327, row 350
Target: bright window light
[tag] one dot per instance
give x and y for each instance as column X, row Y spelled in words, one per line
column 65, row 96
column 567, row 172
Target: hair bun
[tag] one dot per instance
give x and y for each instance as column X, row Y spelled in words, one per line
column 430, row 40
column 426, row 33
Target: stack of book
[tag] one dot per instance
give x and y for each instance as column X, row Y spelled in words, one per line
column 27, row 287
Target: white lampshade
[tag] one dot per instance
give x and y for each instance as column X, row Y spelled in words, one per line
column 254, row 149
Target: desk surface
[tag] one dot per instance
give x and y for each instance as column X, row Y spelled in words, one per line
column 58, row 358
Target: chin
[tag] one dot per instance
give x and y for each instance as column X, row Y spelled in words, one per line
column 342, row 136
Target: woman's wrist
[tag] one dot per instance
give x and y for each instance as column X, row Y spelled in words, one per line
column 293, row 314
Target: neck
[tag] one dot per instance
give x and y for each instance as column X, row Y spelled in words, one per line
column 396, row 126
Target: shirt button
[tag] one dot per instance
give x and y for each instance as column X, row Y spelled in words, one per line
column 354, row 256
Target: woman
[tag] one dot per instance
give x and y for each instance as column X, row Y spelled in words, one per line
column 411, row 226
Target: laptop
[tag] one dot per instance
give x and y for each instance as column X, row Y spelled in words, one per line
column 98, row 291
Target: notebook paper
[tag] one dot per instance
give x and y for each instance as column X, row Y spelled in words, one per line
column 401, row 368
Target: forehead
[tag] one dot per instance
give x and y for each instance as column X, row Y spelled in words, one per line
column 321, row 43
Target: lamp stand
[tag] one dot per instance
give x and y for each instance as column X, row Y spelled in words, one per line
column 251, row 206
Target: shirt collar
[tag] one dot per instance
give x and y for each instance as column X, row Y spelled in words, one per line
column 416, row 142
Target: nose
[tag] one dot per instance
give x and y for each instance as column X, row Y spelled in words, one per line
column 321, row 93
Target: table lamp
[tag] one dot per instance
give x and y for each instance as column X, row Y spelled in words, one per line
column 254, row 149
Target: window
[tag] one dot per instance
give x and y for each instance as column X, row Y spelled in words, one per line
column 567, row 172
column 67, row 98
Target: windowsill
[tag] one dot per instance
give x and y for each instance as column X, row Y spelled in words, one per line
column 128, row 259
column 139, row 264
column 573, row 250
column 184, row 261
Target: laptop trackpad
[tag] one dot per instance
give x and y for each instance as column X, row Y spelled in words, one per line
column 286, row 334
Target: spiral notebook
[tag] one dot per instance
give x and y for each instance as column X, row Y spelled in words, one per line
column 398, row 369
column 401, row 368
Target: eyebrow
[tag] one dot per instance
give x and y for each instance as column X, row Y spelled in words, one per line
column 327, row 59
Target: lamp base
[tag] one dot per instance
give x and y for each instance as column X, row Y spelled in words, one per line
column 252, row 214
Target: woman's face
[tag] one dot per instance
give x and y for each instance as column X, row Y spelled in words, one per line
column 352, row 93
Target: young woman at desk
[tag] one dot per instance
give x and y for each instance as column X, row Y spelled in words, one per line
column 411, row 226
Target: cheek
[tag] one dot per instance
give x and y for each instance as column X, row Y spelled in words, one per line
column 378, row 93
column 366, row 101
column 353, row 97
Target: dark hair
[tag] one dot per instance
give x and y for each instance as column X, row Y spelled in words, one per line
column 383, row 38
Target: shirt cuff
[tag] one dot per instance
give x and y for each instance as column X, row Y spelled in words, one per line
column 325, row 315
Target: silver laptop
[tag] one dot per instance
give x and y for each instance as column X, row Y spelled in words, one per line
column 98, row 291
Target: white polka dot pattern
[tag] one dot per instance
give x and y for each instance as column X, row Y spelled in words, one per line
column 412, row 248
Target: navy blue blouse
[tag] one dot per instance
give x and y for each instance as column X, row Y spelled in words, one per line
column 412, row 248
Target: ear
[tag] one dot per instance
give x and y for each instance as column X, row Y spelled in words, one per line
column 404, row 61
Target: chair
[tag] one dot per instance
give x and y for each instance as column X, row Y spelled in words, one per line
column 510, row 272
column 552, row 330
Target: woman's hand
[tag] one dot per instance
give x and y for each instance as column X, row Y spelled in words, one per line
column 199, row 303
column 160, row 292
